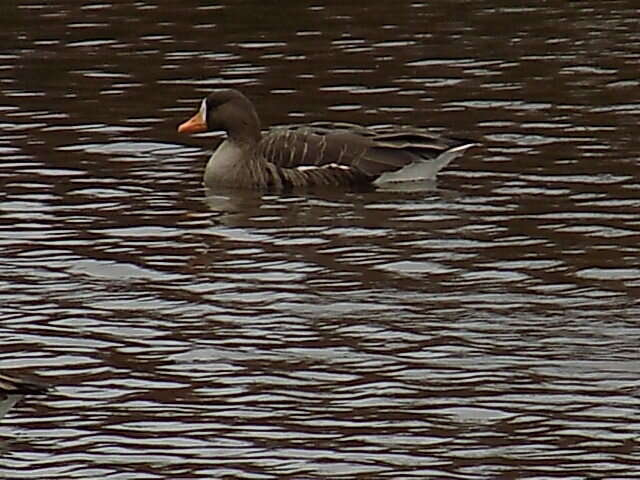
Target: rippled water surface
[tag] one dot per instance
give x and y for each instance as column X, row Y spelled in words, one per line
column 486, row 328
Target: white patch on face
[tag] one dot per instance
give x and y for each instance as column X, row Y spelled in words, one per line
column 203, row 109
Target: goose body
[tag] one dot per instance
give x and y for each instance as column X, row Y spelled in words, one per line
column 13, row 389
column 314, row 155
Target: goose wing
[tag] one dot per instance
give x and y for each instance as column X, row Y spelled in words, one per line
column 371, row 151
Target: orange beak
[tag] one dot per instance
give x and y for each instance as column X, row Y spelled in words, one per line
column 194, row 125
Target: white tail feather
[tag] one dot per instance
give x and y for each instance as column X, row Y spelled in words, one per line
column 423, row 169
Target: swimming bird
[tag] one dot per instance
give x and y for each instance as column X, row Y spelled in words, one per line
column 13, row 389
column 320, row 154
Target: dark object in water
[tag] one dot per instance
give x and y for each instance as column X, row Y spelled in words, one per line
column 12, row 389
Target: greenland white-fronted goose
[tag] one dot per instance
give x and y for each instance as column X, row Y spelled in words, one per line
column 13, row 389
column 313, row 155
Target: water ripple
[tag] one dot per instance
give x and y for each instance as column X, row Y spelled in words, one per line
column 485, row 327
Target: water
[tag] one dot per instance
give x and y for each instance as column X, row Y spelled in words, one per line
column 486, row 328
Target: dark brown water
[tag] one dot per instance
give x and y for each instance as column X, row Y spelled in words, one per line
column 487, row 329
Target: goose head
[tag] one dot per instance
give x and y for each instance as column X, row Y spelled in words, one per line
column 227, row 110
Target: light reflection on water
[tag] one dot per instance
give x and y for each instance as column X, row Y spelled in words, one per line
column 484, row 327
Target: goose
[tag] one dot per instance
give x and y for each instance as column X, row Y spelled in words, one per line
column 13, row 389
column 320, row 154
